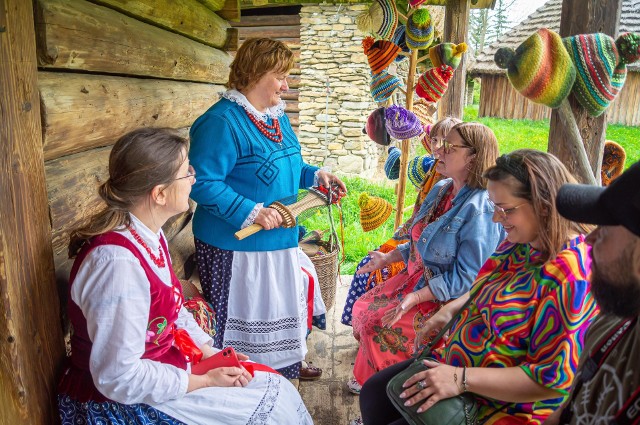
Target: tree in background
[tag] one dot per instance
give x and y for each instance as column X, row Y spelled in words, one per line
column 486, row 26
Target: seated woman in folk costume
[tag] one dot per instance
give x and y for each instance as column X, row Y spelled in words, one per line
column 133, row 342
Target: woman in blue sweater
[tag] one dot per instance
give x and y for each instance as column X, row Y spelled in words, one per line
column 247, row 156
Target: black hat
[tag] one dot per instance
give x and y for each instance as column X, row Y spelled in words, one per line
column 615, row 205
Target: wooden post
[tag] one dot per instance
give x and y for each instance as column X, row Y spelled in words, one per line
column 406, row 144
column 31, row 342
column 456, row 19
column 583, row 17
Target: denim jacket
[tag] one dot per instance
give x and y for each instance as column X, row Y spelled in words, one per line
column 455, row 245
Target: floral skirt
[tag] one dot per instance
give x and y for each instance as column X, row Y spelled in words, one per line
column 380, row 346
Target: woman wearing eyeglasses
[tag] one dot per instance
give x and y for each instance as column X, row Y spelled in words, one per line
column 516, row 346
column 133, row 341
column 451, row 237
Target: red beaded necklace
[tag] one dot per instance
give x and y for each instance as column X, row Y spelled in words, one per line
column 158, row 261
column 272, row 132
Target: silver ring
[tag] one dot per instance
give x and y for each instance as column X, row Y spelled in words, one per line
column 421, row 385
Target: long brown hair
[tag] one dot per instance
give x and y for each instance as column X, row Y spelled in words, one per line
column 537, row 176
column 139, row 161
column 255, row 58
column 485, row 148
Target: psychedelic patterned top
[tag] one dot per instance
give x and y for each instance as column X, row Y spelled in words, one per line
column 529, row 315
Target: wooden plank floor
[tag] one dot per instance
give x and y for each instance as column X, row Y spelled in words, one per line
column 333, row 350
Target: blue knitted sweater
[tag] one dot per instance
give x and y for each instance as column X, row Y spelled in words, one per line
column 236, row 167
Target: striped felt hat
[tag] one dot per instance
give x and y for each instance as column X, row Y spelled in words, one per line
column 399, row 39
column 392, row 164
column 418, row 168
column 380, row 53
column 540, row 68
column 383, row 85
column 434, row 82
column 447, row 54
column 374, row 211
column 380, row 19
column 419, row 34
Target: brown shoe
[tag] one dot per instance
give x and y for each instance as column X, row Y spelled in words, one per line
column 308, row 372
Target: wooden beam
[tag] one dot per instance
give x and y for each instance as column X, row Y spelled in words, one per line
column 186, row 17
column 583, row 17
column 230, row 10
column 455, row 31
column 31, row 347
column 81, row 111
column 78, row 35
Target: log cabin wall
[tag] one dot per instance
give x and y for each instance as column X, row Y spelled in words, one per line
column 107, row 67
column 280, row 23
column 499, row 99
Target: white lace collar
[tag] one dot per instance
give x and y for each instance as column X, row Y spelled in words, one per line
column 239, row 98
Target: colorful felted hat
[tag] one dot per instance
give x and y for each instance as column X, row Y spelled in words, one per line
column 381, row 19
column 374, row 211
column 434, row 82
column 380, row 53
column 399, row 39
column 419, row 33
column 401, row 123
column 418, row 168
column 613, row 160
column 540, row 68
column 424, row 111
column 383, row 85
column 628, row 45
column 392, row 164
column 447, row 54
column 375, row 128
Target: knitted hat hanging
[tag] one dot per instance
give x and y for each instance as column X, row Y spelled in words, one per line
column 401, row 123
column 392, row 164
column 540, row 68
column 595, row 57
column 381, row 19
column 374, row 211
column 418, row 168
column 383, row 85
column 424, row 111
column 375, row 128
column 380, row 53
column 613, row 161
column 433, row 83
column 419, row 30
column 628, row 45
column 399, row 39
column 447, row 54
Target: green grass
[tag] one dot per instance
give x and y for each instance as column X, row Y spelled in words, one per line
column 511, row 134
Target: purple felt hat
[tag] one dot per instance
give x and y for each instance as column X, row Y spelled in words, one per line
column 401, row 123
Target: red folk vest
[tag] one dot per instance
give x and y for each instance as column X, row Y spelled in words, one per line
column 163, row 312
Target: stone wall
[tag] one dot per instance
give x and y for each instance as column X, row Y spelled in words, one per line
column 332, row 62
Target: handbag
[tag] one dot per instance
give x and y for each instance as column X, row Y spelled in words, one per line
column 458, row 410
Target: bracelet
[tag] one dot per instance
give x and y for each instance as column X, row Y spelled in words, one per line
column 455, row 378
column 465, row 388
column 418, row 295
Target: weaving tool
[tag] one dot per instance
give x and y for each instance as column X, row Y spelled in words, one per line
column 318, row 196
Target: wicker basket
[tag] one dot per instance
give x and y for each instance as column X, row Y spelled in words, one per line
column 327, row 269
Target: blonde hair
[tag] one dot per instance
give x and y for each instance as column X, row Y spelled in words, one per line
column 257, row 57
column 444, row 126
column 139, row 161
column 485, row 148
column 537, row 176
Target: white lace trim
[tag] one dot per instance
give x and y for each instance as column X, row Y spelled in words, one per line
column 239, row 98
column 251, row 218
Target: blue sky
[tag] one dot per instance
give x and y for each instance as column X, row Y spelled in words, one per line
column 523, row 8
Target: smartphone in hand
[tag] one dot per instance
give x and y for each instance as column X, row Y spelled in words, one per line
column 225, row 358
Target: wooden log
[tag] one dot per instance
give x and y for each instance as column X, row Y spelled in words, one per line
column 264, row 20
column 32, row 347
column 186, row 17
column 271, row 31
column 72, row 183
column 455, row 31
column 584, row 17
column 75, row 34
column 85, row 111
column 230, row 10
